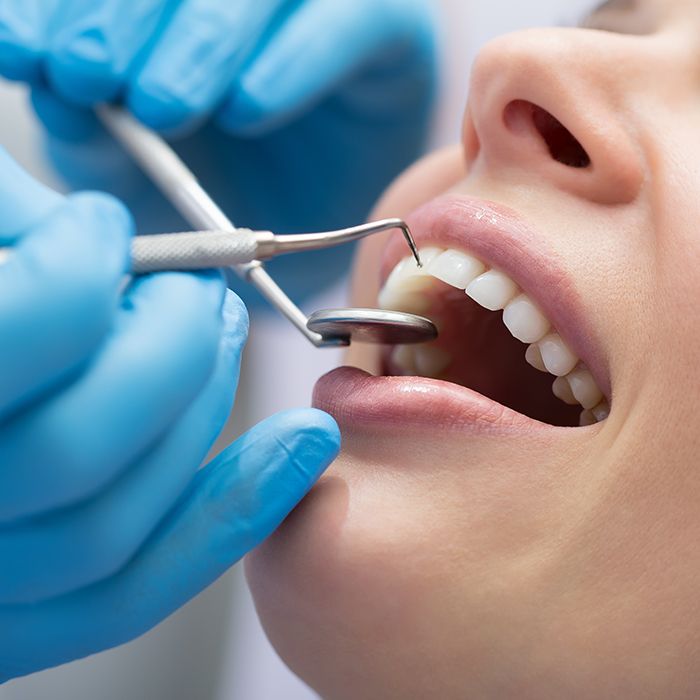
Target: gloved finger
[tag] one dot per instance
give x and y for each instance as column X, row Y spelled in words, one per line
column 91, row 51
column 24, row 25
column 320, row 46
column 59, row 291
column 75, row 547
column 64, row 120
column 230, row 507
column 196, row 59
column 160, row 353
column 24, row 201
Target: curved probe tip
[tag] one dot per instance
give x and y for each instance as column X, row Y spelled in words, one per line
column 411, row 243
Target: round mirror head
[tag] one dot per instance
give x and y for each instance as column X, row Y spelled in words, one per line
column 373, row 326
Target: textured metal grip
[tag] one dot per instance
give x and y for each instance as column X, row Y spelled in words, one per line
column 192, row 251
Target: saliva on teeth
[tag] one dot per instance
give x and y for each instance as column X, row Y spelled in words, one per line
column 405, row 290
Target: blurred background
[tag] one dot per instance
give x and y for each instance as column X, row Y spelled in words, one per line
column 215, row 649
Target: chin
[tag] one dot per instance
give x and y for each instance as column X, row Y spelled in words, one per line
column 329, row 592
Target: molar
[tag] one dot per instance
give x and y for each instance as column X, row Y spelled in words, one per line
column 524, row 320
column 601, row 411
column 533, row 357
column 595, row 415
column 455, row 268
column 584, row 388
column 557, row 357
column 562, row 390
column 492, row 290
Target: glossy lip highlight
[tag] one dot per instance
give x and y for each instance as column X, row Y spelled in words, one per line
column 498, row 236
column 355, row 398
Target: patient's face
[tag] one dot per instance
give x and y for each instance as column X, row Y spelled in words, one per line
column 472, row 540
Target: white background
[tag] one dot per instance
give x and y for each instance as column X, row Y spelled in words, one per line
column 215, row 648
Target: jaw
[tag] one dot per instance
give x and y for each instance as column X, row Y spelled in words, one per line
column 515, row 566
column 383, row 573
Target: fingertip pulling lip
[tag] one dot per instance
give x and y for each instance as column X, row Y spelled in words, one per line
column 499, row 237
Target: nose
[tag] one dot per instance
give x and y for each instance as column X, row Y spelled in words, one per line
column 549, row 106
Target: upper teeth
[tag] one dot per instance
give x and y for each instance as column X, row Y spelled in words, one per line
column 455, row 268
column 492, row 290
column 405, row 290
column 525, row 321
column 556, row 356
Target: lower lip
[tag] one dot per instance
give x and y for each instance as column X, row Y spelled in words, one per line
column 357, row 399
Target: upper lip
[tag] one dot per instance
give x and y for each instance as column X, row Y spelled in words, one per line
column 500, row 238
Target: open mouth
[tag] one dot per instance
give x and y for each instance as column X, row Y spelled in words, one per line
column 494, row 339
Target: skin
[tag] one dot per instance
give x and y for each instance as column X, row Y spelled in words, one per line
column 452, row 566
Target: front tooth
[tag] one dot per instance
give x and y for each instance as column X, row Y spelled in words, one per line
column 418, row 276
column 562, row 390
column 455, row 268
column 533, row 356
column 492, row 290
column 430, row 361
column 557, row 357
column 408, row 277
column 427, row 255
column 524, row 320
column 601, row 411
column 403, row 290
column 584, row 387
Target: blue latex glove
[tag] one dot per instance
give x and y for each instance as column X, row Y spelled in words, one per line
column 308, row 108
column 109, row 401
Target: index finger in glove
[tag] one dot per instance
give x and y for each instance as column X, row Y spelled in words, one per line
column 232, row 505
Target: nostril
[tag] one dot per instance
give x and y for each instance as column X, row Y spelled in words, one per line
column 561, row 143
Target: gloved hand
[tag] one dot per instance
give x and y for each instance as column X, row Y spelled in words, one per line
column 109, row 401
column 309, row 107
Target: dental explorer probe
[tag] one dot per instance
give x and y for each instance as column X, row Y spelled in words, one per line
column 180, row 186
column 204, row 250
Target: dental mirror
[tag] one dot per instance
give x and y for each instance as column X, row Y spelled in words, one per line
column 372, row 326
